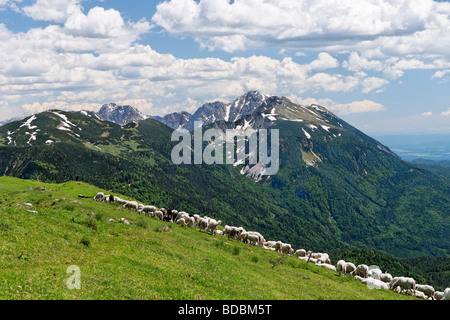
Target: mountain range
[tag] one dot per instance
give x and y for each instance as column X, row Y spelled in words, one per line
column 336, row 187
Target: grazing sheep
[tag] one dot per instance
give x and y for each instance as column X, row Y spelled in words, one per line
column 181, row 222
column 349, row 267
column 99, row 196
column 190, row 221
column 182, row 214
column 308, row 258
column 426, row 289
column 286, row 248
column 373, row 283
column 203, row 224
column 119, row 201
column 438, row 295
column 300, row 252
column 376, row 284
column 345, row 267
column 231, row 232
column 361, row 270
column 420, row 295
column 252, row 237
column 131, row 205
column 446, row 294
column 277, row 246
column 148, row 210
column 212, row 226
column 404, row 283
column 269, row 245
column 324, row 258
column 374, row 273
column 159, row 214
column 326, row 265
column 171, row 215
column 340, row 266
column 315, row 255
column 196, row 219
column 386, row 277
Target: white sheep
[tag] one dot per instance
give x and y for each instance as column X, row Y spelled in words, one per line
column 326, row 265
column 386, row 277
column 376, row 284
column 241, row 234
column 426, row 289
column 131, row 205
column 269, row 245
column 119, row 201
column 181, row 222
column 349, row 267
column 446, row 294
column 374, row 273
column 438, row 295
column 190, row 221
column 404, row 283
column 147, row 210
column 196, row 219
column 277, row 246
column 212, row 226
column 99, row 196
column 420, row 295
column 286, row 248
column 361, row 270
column 323, row 258
column 340, row 266
column 159, row 215
column 231, row 232
column 300, row 252
column 253, row 237
column 203, row 224
column 308, row 258
column 345, row 267
column 373, row 283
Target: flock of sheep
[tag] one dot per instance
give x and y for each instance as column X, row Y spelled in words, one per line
column 372, row 276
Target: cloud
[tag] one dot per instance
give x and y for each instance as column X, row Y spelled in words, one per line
column 324, row 61
column 389, row 37
column 372, row 83
column 440, row 74
column 298, row 23
column 427, row 114
column 37, row 107
column 357, row 107
column 446, row 113
column 52, row 10
column 343, row 109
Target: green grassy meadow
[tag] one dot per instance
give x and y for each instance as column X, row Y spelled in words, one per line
column 147, row 260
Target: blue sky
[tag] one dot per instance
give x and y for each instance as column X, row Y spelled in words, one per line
column 383, row 66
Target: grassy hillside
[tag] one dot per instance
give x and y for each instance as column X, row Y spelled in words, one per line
column 148, row 259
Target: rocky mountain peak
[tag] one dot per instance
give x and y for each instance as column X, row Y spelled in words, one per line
column 121, row 115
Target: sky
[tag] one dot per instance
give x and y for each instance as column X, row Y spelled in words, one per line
column 381, row 65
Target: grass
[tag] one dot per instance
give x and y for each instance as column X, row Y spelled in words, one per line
column 147, row 260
